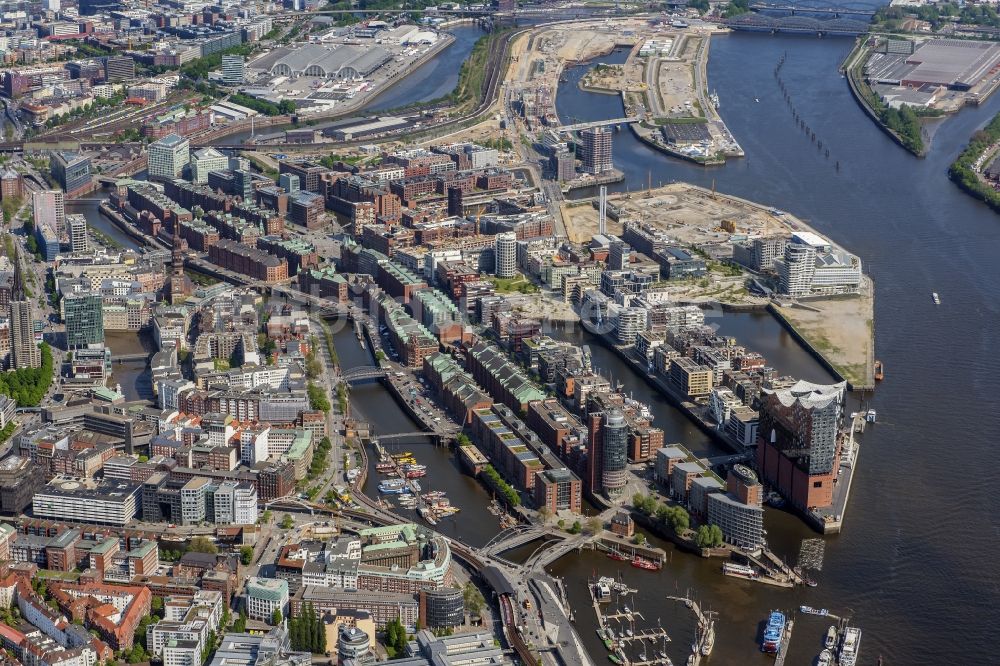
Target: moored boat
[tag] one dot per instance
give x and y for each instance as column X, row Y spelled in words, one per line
column 618, row 555
column 831, row 637
column 825, row 658
column 879, row 371
column 643, row 563
column 850, row 646
column 774, row 633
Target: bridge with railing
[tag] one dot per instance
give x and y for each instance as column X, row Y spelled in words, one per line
column 576, row 127
column 363, row 372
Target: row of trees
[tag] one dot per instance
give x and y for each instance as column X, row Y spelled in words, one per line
column 963, row 173
column 673, row 516
column 320, row 458
column 27, row 386
column 904, row 122
column 317, row 398
column 307, row 631
column 507, row 491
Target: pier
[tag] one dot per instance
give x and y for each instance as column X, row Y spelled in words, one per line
column 779, row 659
column 617, row 641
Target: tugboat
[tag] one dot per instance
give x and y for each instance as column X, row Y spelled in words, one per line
column 879, row 371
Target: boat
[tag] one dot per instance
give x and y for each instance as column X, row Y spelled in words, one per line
column 643, row 563
column 879, row 371
column 613, row 659
column 404, row 454
column 415, row 486
column 774, row 633
column 628, row 633
column 756, row 99
column 739, row 570
column 415, row 474
column 936, row 298
column 871, row 415
column 708, row 639
column 384, row 467
column 618, row 555
column 814, row 611
column 393, row 487
column 427, row 515
column 831, row 637
column 849, row 646
column 627, row 610
column 825, row 658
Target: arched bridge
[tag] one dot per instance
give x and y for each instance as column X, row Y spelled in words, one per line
column 363, row 372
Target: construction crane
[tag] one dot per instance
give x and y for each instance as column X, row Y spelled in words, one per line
column 479, row 214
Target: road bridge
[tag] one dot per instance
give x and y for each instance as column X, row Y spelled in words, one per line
column 819, row 7
column 514, row 537
column 121, row 358
column 576, row 127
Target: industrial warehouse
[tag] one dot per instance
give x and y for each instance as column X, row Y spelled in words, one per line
column 342, row 68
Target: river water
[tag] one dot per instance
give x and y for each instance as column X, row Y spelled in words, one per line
column 912, row 564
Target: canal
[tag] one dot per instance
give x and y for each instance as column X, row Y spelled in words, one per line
column 909, row 566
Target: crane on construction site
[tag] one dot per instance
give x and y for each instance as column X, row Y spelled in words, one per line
column 479, row 214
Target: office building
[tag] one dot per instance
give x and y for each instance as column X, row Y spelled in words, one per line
column 266, row 595
column 739, row 511
column 84, row 316
column 607, row 456
column 811, row 266
column 271, row 649
column 118, row 68
column 443, row 608
column 22, row 336
column 595, row 149
column 205, row 161
column 459, row 650
column 505, row 250
column 289, row 182
column 619, row 255
column 71, row 171
column 168, row 157
column 49, row 210
column 110, row 502
column 354, row 644
column 799, row 447
column 233, row 70
column 77, row 233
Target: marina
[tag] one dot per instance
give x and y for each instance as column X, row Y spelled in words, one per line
column 402, row 471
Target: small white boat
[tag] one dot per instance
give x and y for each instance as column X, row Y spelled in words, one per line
column 831, row 638
column 628, row 632
column 756, row 100
column 936, row 298
column 825, row 658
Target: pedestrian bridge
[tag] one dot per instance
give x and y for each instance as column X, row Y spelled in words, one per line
column 363, row 372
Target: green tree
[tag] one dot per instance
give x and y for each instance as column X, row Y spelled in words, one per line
column 703, row 537
column 715, row 534
column 576, row 528
column 202, row 544
column 276, row 617
column 240, row 625
column 246, row 555
column 287, row 522
column 639, row 538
